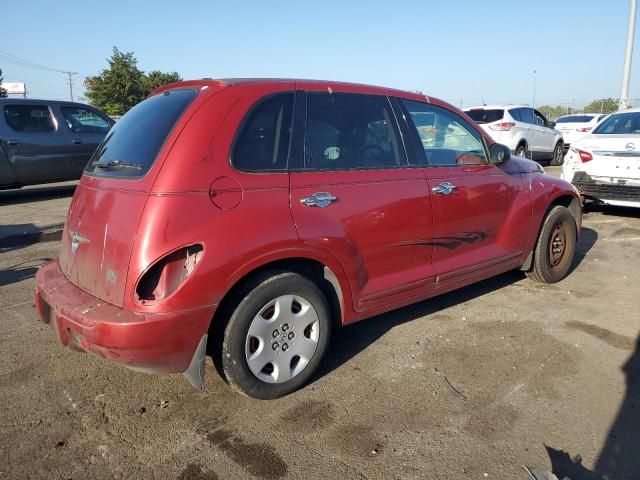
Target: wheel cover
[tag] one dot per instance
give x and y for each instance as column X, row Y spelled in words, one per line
column 282, row 339
column 558, row 153
column 557, row 247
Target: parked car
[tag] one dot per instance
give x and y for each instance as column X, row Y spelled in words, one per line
column 247, row 218
column 525, row 130
column 44, row 141
column 576, row 125
column 604, row 165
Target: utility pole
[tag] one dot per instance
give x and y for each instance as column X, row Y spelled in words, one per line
column 71, row 83
column 534, row 90
column 626, row 72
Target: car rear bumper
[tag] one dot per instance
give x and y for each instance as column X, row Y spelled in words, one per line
column 613, row 193
column 152, row 342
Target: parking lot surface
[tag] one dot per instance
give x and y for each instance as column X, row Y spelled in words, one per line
column 472, row 384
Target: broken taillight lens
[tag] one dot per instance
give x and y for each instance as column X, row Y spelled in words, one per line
column 166, row 275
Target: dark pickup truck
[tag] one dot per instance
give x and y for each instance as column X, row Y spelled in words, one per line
column 43, row 141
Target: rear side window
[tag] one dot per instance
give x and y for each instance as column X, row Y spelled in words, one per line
column 29, row 118
column 82, row 120
column 131, row 146
column 575, row 119
column 263, row 141
column 446, row 138
column 481, row 115
column 515, row 113
column 347, row 131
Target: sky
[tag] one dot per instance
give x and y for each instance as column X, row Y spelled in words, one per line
column 466, row 51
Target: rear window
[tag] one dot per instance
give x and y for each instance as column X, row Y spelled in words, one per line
column 485, row 116
column 576, row 119
column 133, row 143
column 28, row 118
column 620, row 124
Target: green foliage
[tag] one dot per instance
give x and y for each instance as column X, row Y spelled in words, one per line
column 553, row 111
column 122, row 85
column 156, row 78
column 604, row 105
column 3, row 92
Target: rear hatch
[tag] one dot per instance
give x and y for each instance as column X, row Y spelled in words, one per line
column 485, row 117
column 108, row 204
column 616, row 158
column 574, row 127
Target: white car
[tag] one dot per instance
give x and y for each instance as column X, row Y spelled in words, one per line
column 604, row 165
column 576, row 125
column 523, row 129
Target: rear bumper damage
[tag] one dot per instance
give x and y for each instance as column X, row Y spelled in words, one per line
column 619, row 193
column 152, row 342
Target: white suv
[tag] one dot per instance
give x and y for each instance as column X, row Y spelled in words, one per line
column 523, row 129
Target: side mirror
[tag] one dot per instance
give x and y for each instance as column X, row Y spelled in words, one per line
column 552, row 124
column 499, row 153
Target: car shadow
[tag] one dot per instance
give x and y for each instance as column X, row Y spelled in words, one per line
column 611, row 210
column 31, row 194
column 349, row 341
column 20, row 271
column 619, row 457
column 14, row 237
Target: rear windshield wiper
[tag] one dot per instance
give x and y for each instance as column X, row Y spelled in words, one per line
column 117, row 163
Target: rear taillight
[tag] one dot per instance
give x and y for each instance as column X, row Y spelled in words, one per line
column 585, row 129
column 166, row 275
column 584, row 156
column 502, row 127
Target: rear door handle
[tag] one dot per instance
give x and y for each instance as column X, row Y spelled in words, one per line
column 444, row 188
column 318, row 199
column 75, row 141
column 13, row 143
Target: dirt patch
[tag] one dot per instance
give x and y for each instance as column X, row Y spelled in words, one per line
column 614, row 339
column 194, row 472
column 259, row 459
column 310, row 415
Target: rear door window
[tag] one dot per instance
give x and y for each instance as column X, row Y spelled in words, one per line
column 133, row 143
column 347, row 131
column 526, row 115
column 446, row 138
column 515, row 113
column 29, row 118
column 82, row 120
column 263, row 141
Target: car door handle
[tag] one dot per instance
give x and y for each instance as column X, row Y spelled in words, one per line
column 13, row 143
column 444, row 188
column 318, row 199
column 75, row 141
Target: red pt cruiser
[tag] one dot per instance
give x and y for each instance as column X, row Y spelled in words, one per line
column 247, row 218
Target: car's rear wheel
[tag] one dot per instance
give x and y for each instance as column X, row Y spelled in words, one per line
column 521, row 151
column 276, row 336
column 558, row 155
column 556, row 247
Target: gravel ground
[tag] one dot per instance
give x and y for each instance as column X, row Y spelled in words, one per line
column 472, row 384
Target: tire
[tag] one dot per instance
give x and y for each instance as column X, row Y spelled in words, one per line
column 558, row 155
column 277, row 335
column 521, row 150
column 552, row 261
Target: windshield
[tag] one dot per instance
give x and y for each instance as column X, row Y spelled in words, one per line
column 485, row 116
column 620, row 124
column 576, row 119
column 132, row 144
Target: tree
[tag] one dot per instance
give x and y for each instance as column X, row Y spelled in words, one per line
column 553, row 111
column 604, row 105
column 122, row 85
column 156, row 78
column 3, row 91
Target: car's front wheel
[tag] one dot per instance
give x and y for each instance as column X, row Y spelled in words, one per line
column 556, row 247
column 277, row 336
